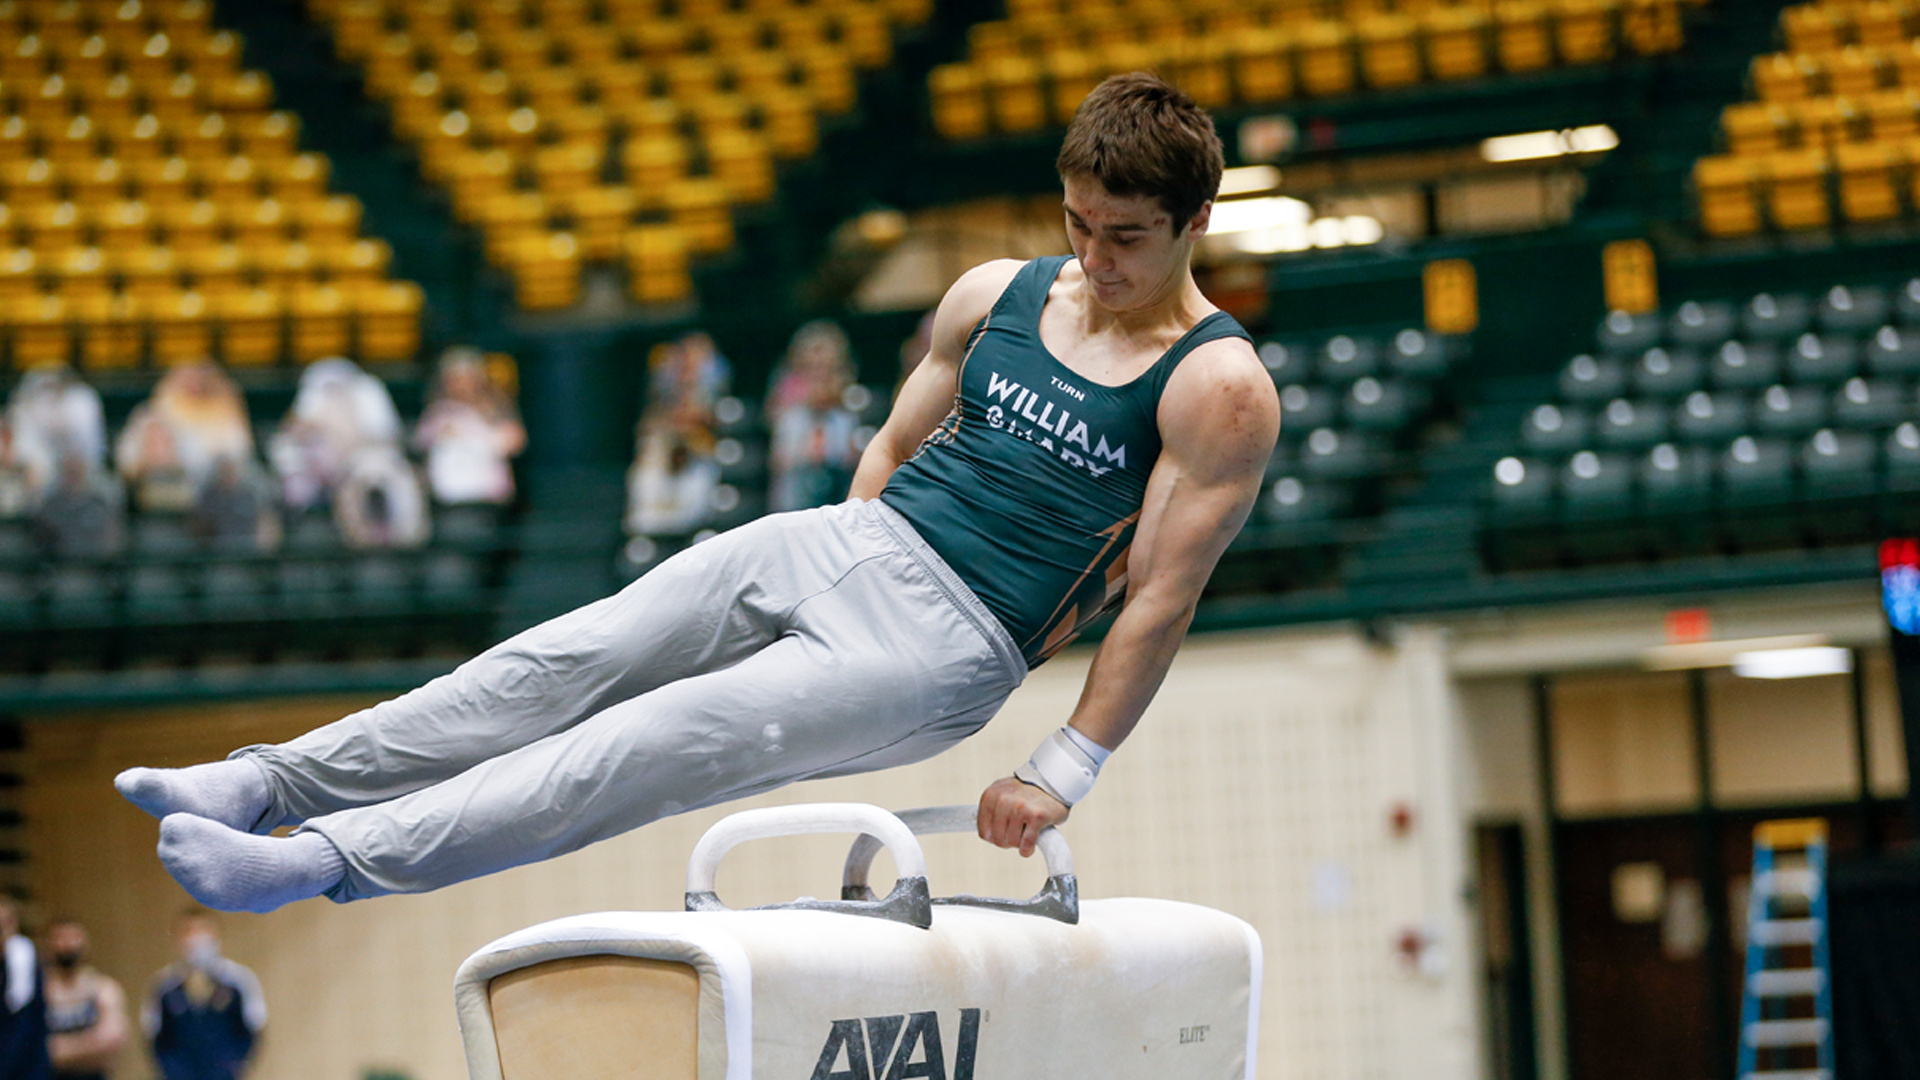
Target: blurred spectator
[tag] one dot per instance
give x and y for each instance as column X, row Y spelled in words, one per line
column 203, row 1012
column 817, row 347
column 234, row 509
column 338, row 411
column 86, row 1010
column 23, row 1003
column 379, row 503
column 470, row 432
column 54, row 416
column 814, row 451
column 16, row 490
column 174, row 441
column 671, row 485
column 81, row 517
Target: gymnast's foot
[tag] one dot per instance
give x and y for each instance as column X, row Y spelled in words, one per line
column 231, row 870
column 232, row 792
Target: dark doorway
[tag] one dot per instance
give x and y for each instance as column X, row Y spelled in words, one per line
column 1506, row 930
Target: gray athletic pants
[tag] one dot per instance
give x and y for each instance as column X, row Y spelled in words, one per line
column 817, row 643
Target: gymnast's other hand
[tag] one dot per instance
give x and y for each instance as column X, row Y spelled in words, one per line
column 1012, row 814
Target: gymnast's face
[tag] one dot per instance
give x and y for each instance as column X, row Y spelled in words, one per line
column 1132, row 255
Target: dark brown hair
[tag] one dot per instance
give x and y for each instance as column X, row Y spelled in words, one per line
column 1140, row 135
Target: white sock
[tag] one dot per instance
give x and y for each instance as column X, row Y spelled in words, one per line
column 231, row 870
column 232, row 792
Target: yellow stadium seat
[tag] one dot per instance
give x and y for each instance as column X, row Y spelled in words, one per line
column 700, row 207
column 162, row 180
column 205, row 140
column 719, row 112
column 1782, row 76
column 124, row 223
column 1456, row 39
column 1523, row 38
column 601, row 214
column 1868, row 191
column 1810, row 28
column 657, row 270
column 19, row 276
column 546, row 271
column 742, row 161
column 1823, row 122
column 1584, row 30
column 387, row 320
column 52, row 228
column 111, row 337
column 75, row 144
column 1883, row 24
column 29, row 183
column 789, row 123
column 215, row 267
column 99, row 182
column 828, row 75
column 283, row 267
column 655, row 162
column 251, row 324
column 1728, row 206
column 80, row 269
column 320, row 323
column 908, row 12
column 260, row 222
column 334, row 218
column 1652, row 27
column 1326, row 58
column 41, row 337
column 1892, row 115
column 865, row 35
column 234, row 179
column 993, row 40
column 959, row 101
column 1853, row 71
column 147, row 272
column 271, row 137
column 1201, row 68
column 1797, row 192
column 566, row 168
column 1756, row 127
column 1013, row 88
column 1071, row 76
column 182, row 327
column 304, row 176
column 1389, row 51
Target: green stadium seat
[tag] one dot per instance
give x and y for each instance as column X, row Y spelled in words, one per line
column 1739, row 365
column 1621, row 333
column 1676, row 477
column 1305, row 408
column 1770, row 317
column 1592, row 379
column 232, row 589
column 1550, row 429
column 158, row 592
column 1286, row 362
column 1755, row 470
column 1345, row 358
column 1902, row 448
column 1790, row 411
column 1418, row 355
column 1906, row 302
column 1817, row 359
column 1871, row 404
column 1594, row 484
column 1711, row 418
column 1699, row 325
column 1290, row 499
column 1522, row 489
column 1667, row 374
column 1340, row 455
column 1630, row 425
column 1852, row 309
column 1892, row 354
column 1375, row 405
column 1838, row 463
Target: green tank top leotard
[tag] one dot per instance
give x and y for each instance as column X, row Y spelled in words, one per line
column 1032, row 486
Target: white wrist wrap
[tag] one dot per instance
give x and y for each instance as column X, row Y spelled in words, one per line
column 1060, row 768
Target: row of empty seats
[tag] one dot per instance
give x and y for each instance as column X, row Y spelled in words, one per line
column 155, row 209
column 612, row 130
column 1034, row 67
column 1834, row 132
column 1744, row 403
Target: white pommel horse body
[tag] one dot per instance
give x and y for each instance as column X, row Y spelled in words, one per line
column 864, row 988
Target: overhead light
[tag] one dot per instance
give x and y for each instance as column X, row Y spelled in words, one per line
column 1793, row 663
column 1249, row 215
column 1356, row 230
column 1248, row 179
column 1546, row 144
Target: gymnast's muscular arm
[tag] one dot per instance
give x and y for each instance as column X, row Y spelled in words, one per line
column 927, row 397
column 1218, row 421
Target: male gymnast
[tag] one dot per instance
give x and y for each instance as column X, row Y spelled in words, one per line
column 1085, row 431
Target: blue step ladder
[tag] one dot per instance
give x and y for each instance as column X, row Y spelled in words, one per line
column 1786, row 1009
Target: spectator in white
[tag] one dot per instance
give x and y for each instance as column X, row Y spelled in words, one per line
column 814, row 449
column 55, row 416
column 204, row 1013
column 147, row 457
column 204, row 414
column 470, row 433
column 338, row 411
column 86, row 1010
column 671, row 485
column 817, row 346
column 81, row 517
column 23, row 1003
column 16, row 491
